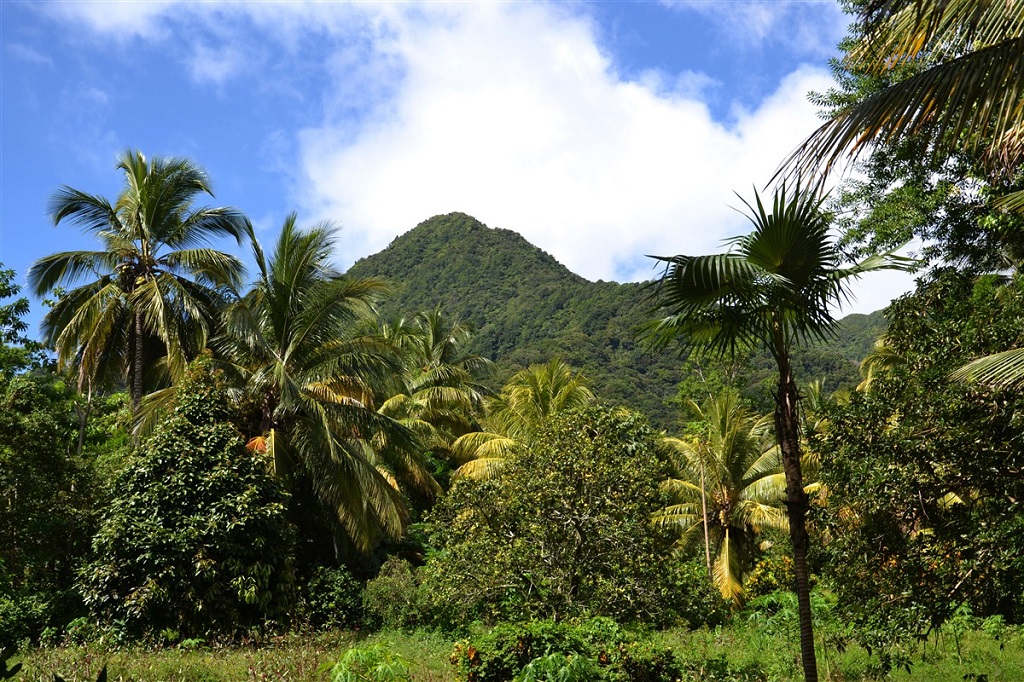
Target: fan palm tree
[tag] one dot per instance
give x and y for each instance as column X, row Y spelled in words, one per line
column 149, row 303
column 775, row 288
column 297, row 342
column 530, row 396
column 970, row 95
column 728, row 485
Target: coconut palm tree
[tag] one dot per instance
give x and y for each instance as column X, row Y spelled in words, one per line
column 149, row 302
column 775, row 288
column 439, row 377
column 968, row 96
column 727, row 485
column 530, row 396
column 536, row 393
column 298, row 343
column 879, row 360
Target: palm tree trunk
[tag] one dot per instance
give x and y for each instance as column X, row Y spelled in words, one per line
column 137, row 364
column 787, row 428
column 704, row 509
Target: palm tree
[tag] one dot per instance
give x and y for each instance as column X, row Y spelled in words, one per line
column 536, row 393
column 881, row 359
column 970, row 95
column 440, row 380
column 728, row 484
column 298, row 340
column 530, row 396
column 149, row 305
column 774, row 288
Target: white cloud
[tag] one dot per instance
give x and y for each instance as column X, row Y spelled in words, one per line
column 215, row 65
column 122, row 20
column 513, row 114
column 28, row 55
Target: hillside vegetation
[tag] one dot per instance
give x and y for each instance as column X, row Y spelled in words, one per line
column 526, row 307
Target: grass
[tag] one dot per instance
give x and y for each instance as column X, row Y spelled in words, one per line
column 292, row 658
column 740, row 653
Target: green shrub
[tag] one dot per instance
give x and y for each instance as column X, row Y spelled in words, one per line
column 196, row 538
column 563, row 530
column 688, row 594
column 22, row 616
column 392, row 599
column 556, row 667
column 623, row 655
column 377, row 663
column 334, row 599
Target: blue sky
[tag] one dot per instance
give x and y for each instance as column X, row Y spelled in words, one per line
column 601, row 131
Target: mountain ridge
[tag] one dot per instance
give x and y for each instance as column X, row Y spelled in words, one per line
column 526, row 308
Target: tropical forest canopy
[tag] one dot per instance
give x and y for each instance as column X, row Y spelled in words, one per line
column 462, row 436
column 526, row 308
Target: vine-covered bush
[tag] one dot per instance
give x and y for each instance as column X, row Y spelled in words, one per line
column 196, row 537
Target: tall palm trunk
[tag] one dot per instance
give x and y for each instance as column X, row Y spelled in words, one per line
column 787, row 428
column 704, row 511
column 137, row 363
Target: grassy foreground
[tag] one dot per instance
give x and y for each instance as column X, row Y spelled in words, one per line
column 736, row 654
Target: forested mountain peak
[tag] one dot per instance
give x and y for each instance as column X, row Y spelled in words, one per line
column 467, row 267
column 527, row 308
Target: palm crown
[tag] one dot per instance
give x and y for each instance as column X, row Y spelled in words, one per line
column 775, row 287
column 300, row 341
column 153, row 290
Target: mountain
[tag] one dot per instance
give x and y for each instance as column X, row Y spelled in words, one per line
column 527, row 308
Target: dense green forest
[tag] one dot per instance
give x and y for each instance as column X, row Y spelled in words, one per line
column 459, row 461
column 526, row 308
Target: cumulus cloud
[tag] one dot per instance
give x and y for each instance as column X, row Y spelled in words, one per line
column 513, row 113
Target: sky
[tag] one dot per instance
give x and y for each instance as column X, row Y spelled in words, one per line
column 603, row 132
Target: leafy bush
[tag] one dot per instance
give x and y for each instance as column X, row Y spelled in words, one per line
column 922, row 516
column 687, row 594
column 505, row 652
column 50, row 493
column 393, row 599
column 334, row 599
column 562, row 531
column 556, row 667
column 377, row 663
column 196, row 538
column 22, row 616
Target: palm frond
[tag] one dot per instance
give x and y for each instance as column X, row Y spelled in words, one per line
column 725, row 569
column 480, row 469
column 966, row 99
column 1000, row 369
column 68, row 267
